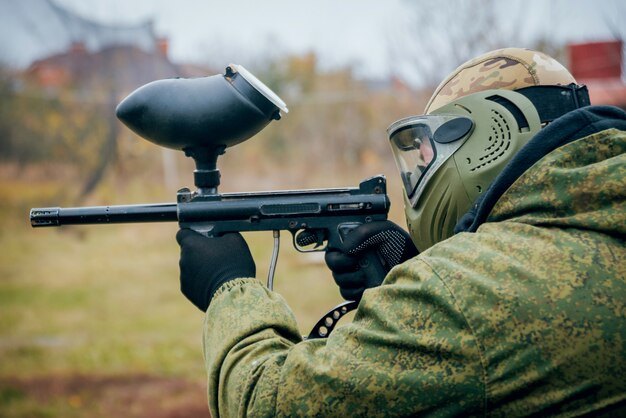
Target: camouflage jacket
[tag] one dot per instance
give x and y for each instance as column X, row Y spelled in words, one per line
column 526, row 315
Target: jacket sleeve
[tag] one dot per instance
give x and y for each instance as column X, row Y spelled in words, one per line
column 408, row 350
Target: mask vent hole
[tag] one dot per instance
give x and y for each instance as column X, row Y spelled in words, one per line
column 522, row 122
column 499, row 141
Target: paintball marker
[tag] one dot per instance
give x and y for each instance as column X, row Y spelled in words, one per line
column 204, row 116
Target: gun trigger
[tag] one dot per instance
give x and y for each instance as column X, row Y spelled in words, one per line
column 309, row 237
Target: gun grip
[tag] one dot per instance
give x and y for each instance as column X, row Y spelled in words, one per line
column 371, row 263
column 374, row 268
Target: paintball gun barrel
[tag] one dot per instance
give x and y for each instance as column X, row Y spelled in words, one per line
column 313, row 216
column 204, row 116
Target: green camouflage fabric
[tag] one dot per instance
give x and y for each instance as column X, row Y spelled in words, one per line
column 508, row 68
column 526, row 316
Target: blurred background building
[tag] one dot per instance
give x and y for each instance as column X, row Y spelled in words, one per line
column 599, row 65
column 57, row 60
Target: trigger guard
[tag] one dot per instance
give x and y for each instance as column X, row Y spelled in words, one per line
column 327, row 323
column 318, row 236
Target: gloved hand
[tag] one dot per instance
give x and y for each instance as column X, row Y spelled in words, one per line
column 207, row 263
column 392, row 243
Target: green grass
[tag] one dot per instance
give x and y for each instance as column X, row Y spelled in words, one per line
column 82, row 304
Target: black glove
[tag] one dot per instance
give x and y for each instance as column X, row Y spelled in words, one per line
column 392, row 243
column 207, row 263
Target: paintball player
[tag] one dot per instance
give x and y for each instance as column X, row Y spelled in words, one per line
column 507, row 296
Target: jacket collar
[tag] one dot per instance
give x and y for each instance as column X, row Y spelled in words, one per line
column 568, row 128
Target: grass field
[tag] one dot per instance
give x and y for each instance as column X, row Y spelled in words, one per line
column 92, row 322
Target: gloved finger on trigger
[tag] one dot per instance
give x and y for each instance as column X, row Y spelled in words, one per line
column 340, row 263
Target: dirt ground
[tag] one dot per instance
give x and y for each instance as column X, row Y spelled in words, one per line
column 132, row 396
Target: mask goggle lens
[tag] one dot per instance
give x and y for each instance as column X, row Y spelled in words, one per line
column 421, row 144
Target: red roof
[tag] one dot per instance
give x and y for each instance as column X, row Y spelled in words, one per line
column 598, row 65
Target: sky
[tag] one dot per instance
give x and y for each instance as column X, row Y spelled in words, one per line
column 341, row 32
column 350, row 31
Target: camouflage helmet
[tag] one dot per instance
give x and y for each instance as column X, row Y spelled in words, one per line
column 508, row 69
column 478, row 118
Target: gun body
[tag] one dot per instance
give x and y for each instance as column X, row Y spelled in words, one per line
column 314, row 217
column 324, row 214
column 203, row 117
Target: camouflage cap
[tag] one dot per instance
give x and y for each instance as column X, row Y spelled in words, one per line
column 508, row 68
